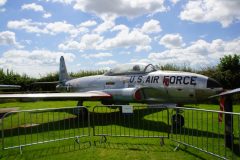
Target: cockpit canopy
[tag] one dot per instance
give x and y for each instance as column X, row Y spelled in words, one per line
column 131, row 68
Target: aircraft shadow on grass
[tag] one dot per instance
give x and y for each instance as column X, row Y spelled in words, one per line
column 111, row 118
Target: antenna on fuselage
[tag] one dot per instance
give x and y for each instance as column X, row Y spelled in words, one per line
column 63, row 75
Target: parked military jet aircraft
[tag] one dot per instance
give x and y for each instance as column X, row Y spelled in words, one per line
column 133, row 82
column 142, row 83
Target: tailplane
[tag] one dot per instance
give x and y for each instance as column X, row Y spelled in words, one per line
column 63, row 75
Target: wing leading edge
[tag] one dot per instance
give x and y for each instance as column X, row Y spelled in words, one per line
column 230, row 92
column 91, row 95
column 3, row 86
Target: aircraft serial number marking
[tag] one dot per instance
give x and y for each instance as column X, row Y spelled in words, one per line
column 185, row 80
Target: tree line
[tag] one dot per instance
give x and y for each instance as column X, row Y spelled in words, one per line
column 227, row 72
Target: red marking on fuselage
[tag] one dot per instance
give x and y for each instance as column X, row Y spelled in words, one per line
column 166, row 81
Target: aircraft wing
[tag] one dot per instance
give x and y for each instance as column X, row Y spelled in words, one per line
column 91, row 95
column 234, row 91
column 3, row 86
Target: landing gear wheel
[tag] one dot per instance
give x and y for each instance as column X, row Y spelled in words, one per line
column 177, row 121
column 120, row 109
column 81, row 112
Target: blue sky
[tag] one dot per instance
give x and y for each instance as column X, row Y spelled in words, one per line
column 100, row 34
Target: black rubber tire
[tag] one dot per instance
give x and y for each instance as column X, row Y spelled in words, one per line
column 82, row 113
column 177, row 121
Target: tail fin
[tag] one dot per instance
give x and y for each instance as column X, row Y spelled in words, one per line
column 63, row 75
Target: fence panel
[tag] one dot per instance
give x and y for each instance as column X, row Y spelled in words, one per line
column 204, row 130
column 196, row 128
column 140, row 121
column 29, row 127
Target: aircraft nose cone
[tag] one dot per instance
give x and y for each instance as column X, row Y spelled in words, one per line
column 212, row 83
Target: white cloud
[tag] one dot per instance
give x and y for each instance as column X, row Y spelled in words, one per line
column 223, row 11
column 88, row 41
column 47, row 15
column 91, row 40
column 120, row 27
column 197, row 55
column 43, row 61
column 109, row 62
column 28, row 42
column 46, row 28
column 89, row 23
column 71, row 45
column 60, row 27
column 37, row 8
column 106, row 25
column 9, row 38
column 61, row 1
column 33, row 6
column 2, row 2
column 172, row 41
column 126, row 39
column 143, row 48
column 28, row 26
column 116, row 8
column 174, row 1
column 152, row 26
column 97, row 55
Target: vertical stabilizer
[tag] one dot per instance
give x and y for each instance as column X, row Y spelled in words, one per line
column 63, row 75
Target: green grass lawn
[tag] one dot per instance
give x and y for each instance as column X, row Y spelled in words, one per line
column 115, row 147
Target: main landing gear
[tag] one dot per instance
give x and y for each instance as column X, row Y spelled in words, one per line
column 81, row 111
column 177, row 119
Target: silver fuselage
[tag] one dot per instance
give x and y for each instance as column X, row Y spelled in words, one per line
column 159, row 86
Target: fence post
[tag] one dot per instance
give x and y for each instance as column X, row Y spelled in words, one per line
column 228, row 121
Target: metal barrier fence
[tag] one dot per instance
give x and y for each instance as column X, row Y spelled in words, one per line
column 196, row 128
column 30, row 127
column 206, row 131
column 128, row 121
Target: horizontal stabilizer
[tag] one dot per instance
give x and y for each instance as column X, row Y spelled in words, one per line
column 230, row 92
column 53, row 82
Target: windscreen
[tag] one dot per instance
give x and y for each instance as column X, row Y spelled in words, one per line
column 131, row 68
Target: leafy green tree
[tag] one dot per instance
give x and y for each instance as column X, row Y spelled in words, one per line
column 10, row 77
column 50, row 77
column 86, row 73
column 173, row 67
column 228, row 71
